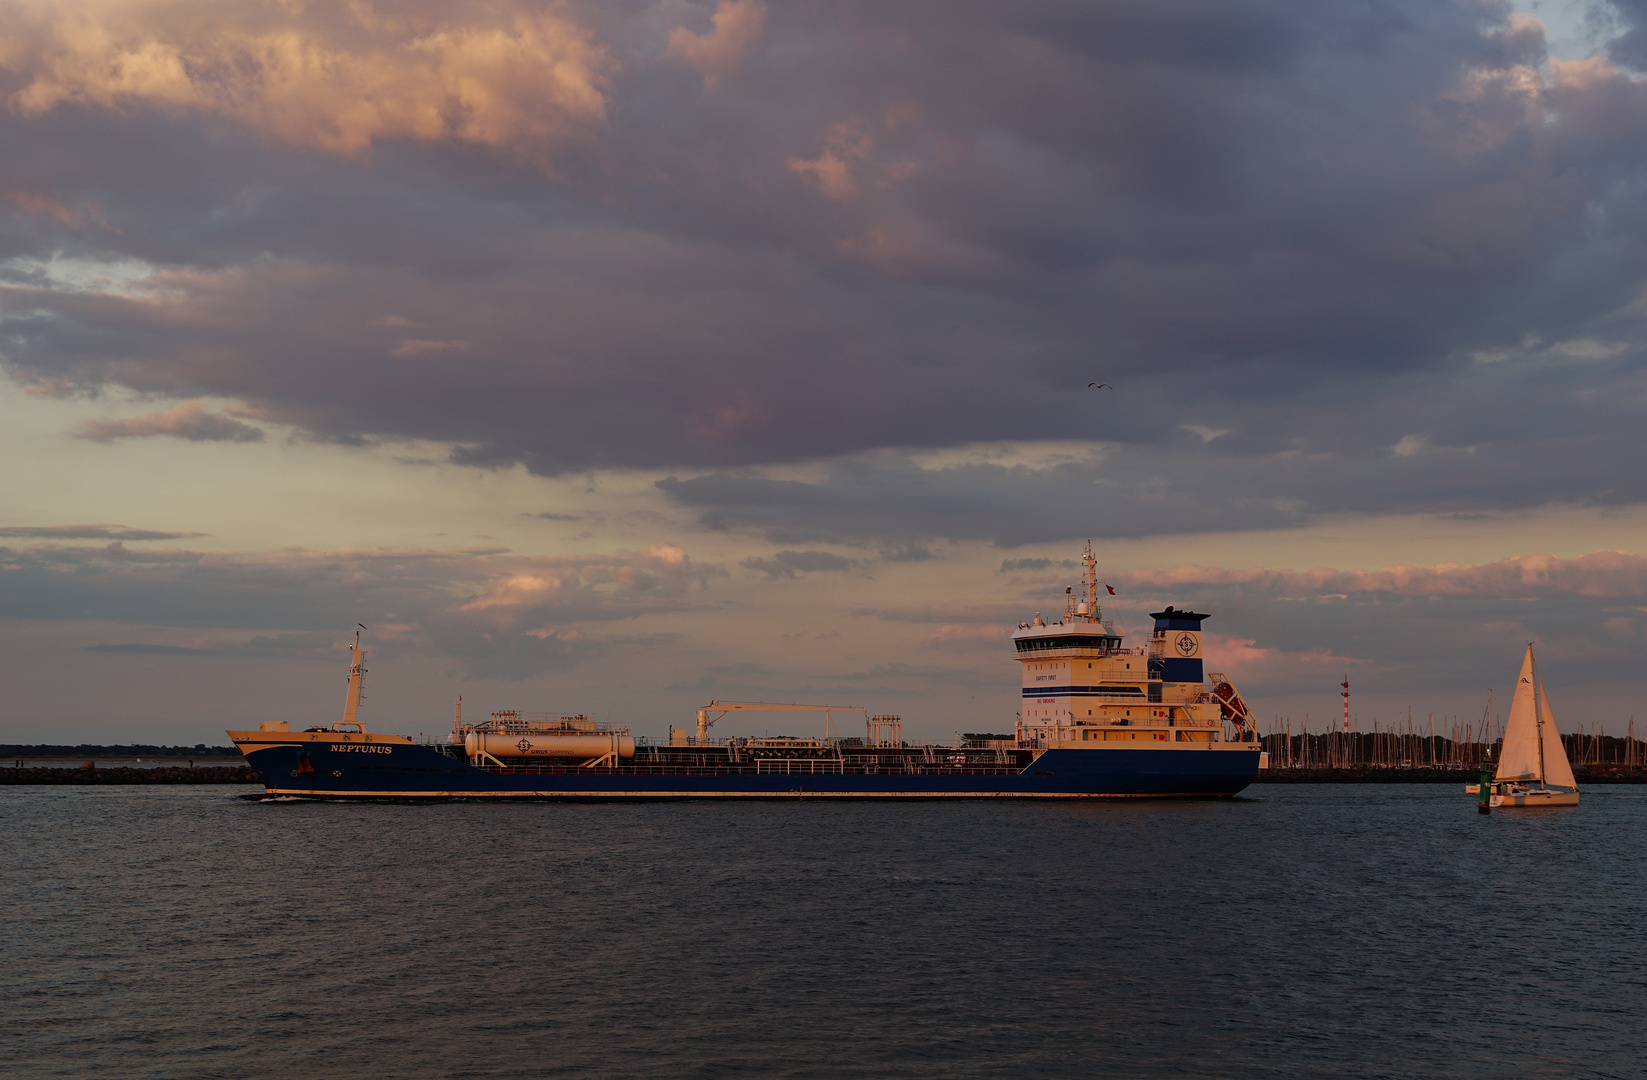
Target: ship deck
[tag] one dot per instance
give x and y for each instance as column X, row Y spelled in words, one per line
column 725, row 761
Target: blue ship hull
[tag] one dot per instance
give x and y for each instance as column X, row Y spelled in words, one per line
column 410, row 771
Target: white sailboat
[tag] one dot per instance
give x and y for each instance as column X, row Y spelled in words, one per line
column 1533, row 769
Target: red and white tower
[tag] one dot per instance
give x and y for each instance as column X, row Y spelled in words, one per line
column 1346, row 685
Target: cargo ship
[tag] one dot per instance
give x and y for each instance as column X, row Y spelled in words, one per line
column 1100, row 719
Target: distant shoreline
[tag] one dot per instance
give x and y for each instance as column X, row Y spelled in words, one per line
column 10, row 752
column 170, row 774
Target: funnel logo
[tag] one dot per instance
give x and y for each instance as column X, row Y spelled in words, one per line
column 1186, row 644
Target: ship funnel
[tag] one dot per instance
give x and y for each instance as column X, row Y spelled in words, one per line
column 1177, row 641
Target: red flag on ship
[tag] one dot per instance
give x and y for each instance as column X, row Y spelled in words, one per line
column 1111, row 589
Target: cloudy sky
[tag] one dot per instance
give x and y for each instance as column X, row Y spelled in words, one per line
column 611, row 357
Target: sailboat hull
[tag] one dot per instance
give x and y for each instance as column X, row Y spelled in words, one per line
column 1536, row 798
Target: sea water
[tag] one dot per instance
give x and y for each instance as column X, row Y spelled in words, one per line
column 1319, row 930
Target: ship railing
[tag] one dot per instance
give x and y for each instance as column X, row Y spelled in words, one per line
column 798, row 765
column 1080, row 651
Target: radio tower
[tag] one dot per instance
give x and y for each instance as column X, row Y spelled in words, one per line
column 1346, row 685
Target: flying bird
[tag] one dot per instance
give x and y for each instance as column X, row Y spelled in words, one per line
column 1100, row 385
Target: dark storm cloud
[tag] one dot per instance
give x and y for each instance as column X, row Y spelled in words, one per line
column 792, row 232
column 1630, row 46
column 1009, row 566
column 1544, row 427
column 91, row 532
column 790, row 564
column 263, row 645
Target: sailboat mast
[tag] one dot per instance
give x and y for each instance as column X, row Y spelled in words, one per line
column 1538, row 714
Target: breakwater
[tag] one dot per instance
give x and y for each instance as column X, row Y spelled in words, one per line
column 175, row 774
column 1385, row 775
column 111, row 751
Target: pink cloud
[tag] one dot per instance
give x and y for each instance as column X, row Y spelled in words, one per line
column 1246, row 657
column 187, row 421
column 42, row 206
column 847, row 142
column 417, row 346
column 739, row 25
column 333, row 77
column 1601, row 573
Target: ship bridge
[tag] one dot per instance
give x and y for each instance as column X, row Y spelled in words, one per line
column 1081, row 684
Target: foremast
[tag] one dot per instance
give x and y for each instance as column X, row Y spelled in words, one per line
column 357, row 683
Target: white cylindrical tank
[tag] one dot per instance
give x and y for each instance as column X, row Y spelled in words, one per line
column 581, row 744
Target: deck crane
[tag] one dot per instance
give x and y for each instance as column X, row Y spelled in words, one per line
column 721, row 708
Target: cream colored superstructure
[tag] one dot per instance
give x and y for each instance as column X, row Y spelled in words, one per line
column 1083, row 688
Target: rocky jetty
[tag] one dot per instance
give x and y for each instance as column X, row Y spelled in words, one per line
column 164, row 774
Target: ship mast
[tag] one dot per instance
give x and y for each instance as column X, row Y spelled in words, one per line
column 1538, row 714
column 357, row 679
column 1090, row 584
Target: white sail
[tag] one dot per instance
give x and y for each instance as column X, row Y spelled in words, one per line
column 1558, row 771
column 1520, row 757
